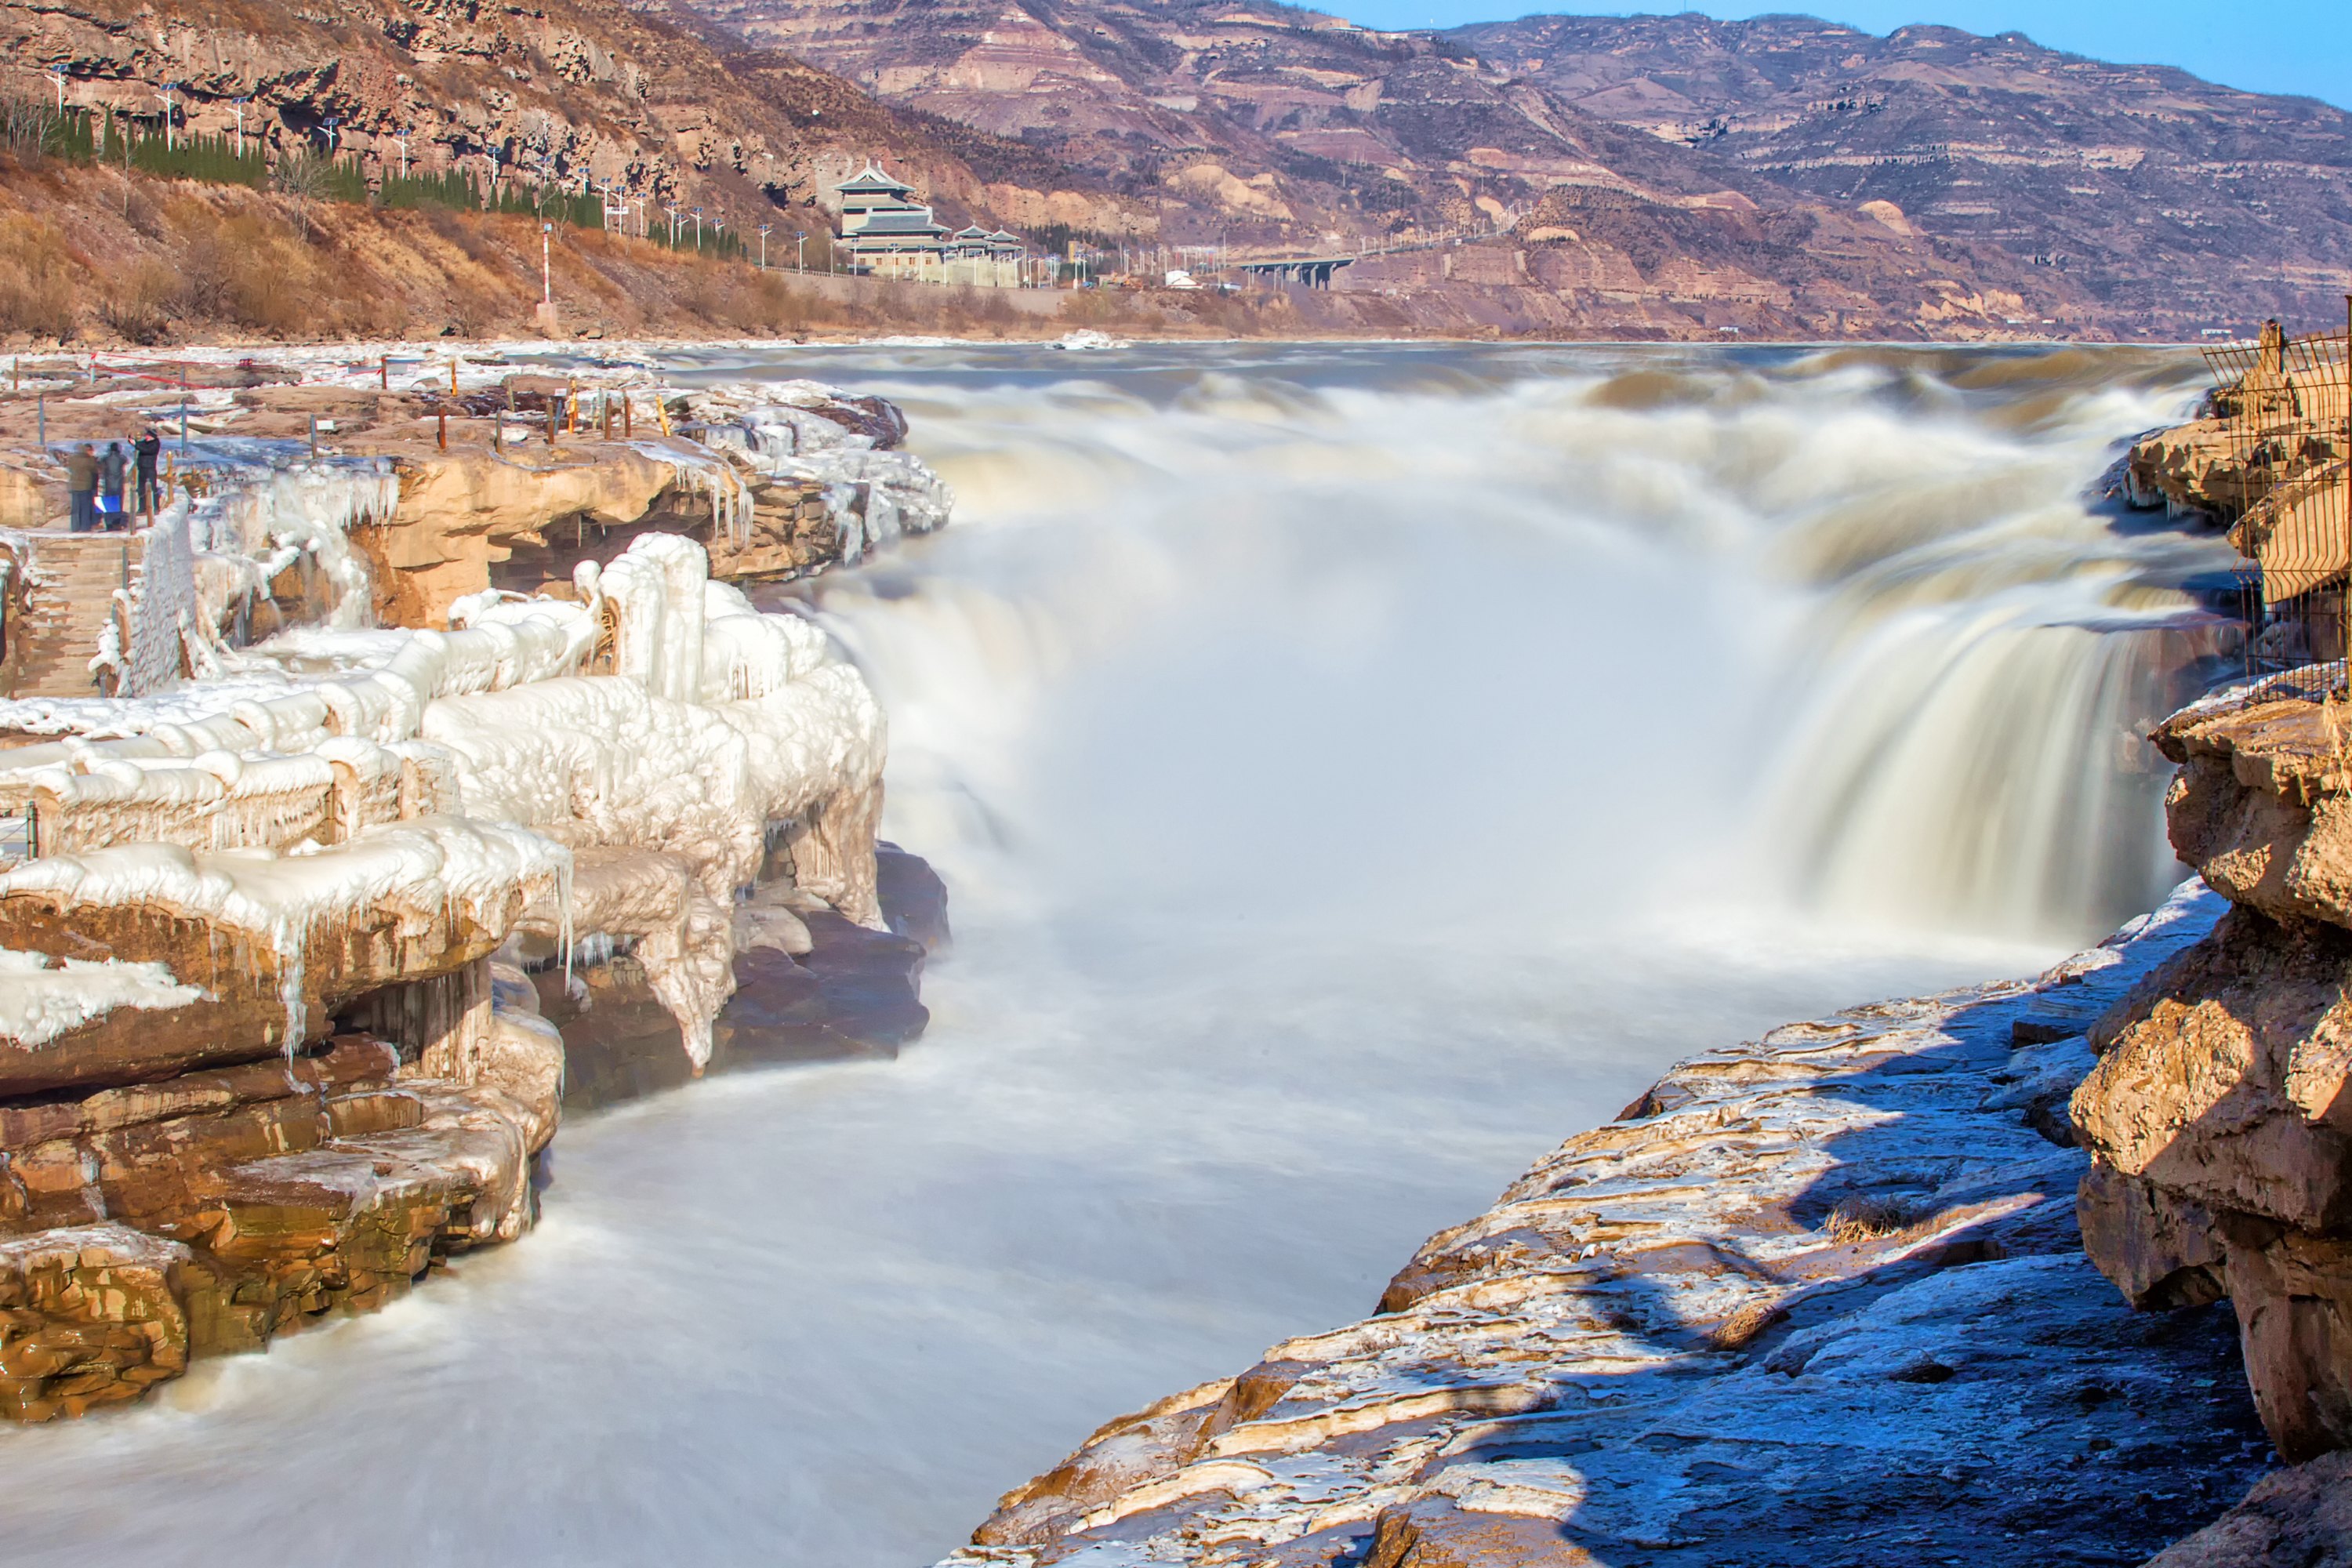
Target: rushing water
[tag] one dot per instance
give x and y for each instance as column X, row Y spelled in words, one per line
column 1355, row 769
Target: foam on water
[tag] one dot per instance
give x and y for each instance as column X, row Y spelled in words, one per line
column 1355, row 769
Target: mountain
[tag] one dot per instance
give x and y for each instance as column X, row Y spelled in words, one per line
column 2165, row 198
column 1649, row 176
column 1674, row 174
column 574, row 92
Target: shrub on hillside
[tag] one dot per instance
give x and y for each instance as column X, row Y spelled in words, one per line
column 249, row 272
column 473, row 310
column 302, row 177
column 30, row 129
column 139, row 305
column 36, row 280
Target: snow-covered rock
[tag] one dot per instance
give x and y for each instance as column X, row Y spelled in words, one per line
column 1816, row 1299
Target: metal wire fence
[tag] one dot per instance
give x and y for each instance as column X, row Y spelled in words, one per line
column 2286, row 493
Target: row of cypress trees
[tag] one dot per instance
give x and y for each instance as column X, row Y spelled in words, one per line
column 81, row 136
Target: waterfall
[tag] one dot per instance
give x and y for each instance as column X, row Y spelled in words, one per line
column 1355, row 768
column 1849, row 632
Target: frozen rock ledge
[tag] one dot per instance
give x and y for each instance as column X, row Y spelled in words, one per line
column 276, row 955
column 1818, row 1299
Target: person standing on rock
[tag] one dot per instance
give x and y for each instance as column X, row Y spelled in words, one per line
column 81, row 486
column 147, row 449
column 111, row 468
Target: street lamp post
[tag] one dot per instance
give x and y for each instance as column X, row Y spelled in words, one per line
column 697, row 231
column 546, row 266
column 58, row 77
column 803, row 239
column 763, row 246
column 164, row 93
column 240, row 126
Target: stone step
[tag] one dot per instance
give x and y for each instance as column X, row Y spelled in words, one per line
column 71, row 599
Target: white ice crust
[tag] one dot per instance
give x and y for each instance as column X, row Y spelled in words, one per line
column 719, row 726
column 38, row 1003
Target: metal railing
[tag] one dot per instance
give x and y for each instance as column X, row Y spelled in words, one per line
column 2286, row 493
column 18, row 840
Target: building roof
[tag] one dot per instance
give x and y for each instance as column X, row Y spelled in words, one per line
column 871, row 181
column 972, row 231
column 898, row 220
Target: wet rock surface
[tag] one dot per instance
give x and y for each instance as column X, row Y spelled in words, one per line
column 216, row 1211
column 856, row 994
column 2220, row 1114
column 1817, row 1300
column 2299, row 1517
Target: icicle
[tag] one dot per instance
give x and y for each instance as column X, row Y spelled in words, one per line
column 563, row 916
column 92, row 1193
column 289, row 935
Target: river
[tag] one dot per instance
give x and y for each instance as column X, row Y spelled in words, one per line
column 1355, row 769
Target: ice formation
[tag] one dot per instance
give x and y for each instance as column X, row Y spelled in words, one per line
column 282, row 504
column 271, row 900
column 42, row 1001
column 777, row 426
column 463, row 769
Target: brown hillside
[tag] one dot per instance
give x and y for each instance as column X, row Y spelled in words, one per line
column 1781, row 175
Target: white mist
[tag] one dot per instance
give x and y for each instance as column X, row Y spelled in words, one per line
column 1355, row 770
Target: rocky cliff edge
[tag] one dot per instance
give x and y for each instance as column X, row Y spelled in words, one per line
column 1816, row 1299
column 2220, row 1116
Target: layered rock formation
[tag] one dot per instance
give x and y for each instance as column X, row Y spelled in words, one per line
column 2300, row 1516
column 584, row 90
column 2219, row 1115
column 315, row 490
column 297, row 945
column 1818, row 1299
column 1673, row 177
column 294, row 1057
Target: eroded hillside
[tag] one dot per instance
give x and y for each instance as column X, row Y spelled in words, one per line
column 1785, row 175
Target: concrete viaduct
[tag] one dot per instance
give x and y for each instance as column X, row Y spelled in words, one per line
column 1314, row 271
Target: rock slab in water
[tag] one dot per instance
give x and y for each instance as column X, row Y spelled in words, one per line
column 855, row 994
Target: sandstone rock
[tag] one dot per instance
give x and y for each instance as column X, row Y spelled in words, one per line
column 2226, row 1083
column 2261, row 847
column 250, row 1007
column 463, row 510
column 2161, row 1251
column 2191, row 467
column 88, row 1315
column 378, row 917
column 2293, row 1292
column 1119, row 1456
column 914, row 899
column 774, row 928
column 2219, row 1115
column 523, row 1059
column 2298, row 1518
column 853, row 994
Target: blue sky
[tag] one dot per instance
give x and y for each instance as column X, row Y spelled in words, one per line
column 2268, row 46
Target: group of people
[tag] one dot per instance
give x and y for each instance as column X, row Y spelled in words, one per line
column 95, row 480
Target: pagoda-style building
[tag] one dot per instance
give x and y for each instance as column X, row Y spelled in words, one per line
column 886, row 233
